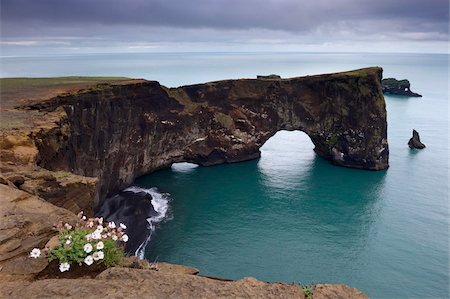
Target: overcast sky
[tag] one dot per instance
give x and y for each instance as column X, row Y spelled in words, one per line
column 65, row 26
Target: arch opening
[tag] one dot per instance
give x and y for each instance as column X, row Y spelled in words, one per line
column 183, row 167
column 284, row 156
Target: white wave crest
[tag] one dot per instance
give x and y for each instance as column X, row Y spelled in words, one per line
column 160, row 202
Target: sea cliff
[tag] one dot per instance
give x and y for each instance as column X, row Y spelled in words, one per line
column 65, row 148
column 117, row 132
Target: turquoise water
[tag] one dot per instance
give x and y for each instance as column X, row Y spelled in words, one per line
column 291, row 216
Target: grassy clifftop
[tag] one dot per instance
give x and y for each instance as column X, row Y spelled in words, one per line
column 19, row 91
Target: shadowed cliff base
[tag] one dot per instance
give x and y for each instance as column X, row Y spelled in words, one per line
column 117, row 132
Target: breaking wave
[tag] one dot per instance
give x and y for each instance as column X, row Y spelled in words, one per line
column 160, row 202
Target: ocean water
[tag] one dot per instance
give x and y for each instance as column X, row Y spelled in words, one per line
column 290, row 215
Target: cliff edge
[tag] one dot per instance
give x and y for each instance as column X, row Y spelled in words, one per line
column 117, row 132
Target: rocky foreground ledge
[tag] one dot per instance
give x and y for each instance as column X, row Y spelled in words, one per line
column 65, row 146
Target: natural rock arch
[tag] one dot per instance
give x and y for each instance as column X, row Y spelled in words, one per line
column 118, row 132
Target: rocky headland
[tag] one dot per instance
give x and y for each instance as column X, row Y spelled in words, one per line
column 67, row 149
column 398, row 87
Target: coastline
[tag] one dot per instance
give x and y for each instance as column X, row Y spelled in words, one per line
column 58, row 159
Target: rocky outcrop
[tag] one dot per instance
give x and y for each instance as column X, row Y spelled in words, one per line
column 121, row 282
column 415, row 142
column 117, row 132
column 398, row 87
column 18, row 154
column 26, row 222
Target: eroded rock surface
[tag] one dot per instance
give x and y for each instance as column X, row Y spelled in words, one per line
column 141, row 283
column 26, row 222
column 119, row 132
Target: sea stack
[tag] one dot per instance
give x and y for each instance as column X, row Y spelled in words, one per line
column 415, row 142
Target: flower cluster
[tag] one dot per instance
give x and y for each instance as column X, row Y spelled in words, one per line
column 92, row 241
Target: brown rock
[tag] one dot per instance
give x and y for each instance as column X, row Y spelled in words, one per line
column 177, row 268
column 337, row 291
column 48, row 177
column 136, row 283
column 26, row 222
column 16, row 179
column 5, row 181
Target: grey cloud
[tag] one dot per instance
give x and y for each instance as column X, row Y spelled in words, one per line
column 291, row 15
column 91, row 24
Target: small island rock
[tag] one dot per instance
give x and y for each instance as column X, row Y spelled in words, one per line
column 398, row 87
column 414, row 142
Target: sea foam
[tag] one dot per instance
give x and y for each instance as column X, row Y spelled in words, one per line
column 160, row 202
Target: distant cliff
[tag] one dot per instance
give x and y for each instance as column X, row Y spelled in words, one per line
column 398, row 87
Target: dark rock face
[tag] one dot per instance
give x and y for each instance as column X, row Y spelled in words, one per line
column 133, row 210
column 414, row 142
column 398, row 87
column 120, row 132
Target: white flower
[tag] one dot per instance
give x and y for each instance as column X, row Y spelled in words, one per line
column 64, row 267
column 100, row 245
column 125, row 238
column 99, row 228
column 35, row 253
column 98, row 255
column 100, row 220
column 111, row 225
column 96, row 235
column 83, row 218
column 68, row 242
column 87, row 248
column 68, row 226
column 114, row 237
column 123, row 226
column 88, row 260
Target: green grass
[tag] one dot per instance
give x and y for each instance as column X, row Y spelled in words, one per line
column 224, row 119
column 61, row 174
column 332, row 140
column 308, row 290
column 35, row 82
